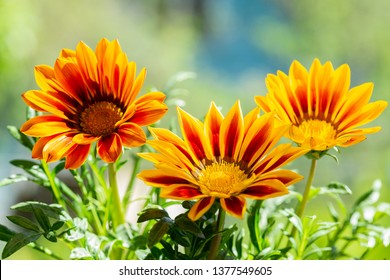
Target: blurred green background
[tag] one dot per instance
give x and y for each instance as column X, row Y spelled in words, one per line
column 231, row 45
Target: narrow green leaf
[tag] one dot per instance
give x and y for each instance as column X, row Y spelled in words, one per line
column 152, row 214
column 371, row 196
column 168, row 251
column 51, row 236
column 80, row 253
column 180, row 237
column 158, row 230
column 184, row 223
column 316, row 250
column 52, row 210
column 58, row 168
column 42, row 218
column 15, row 178
column 6, row 233
column 57, row 225
column 18, row 241
column 31, row 167
column 333, row 212
column 293, row 218
column 336, row 188
column 254, row 225
column 24, row 223
column 20, row 137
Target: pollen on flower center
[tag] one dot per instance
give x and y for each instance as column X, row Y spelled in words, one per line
column 221, row 177
column 318, row 129
column 100, row 118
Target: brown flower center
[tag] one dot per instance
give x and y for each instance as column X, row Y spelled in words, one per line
column 100, row 118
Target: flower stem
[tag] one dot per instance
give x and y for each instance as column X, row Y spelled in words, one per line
column 216, row 241
column 118, row 216
column 129, row 189
column 54, row 187
column 306, row 193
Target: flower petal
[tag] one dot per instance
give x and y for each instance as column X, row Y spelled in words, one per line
column 260, row 138
column 287, row 177
column 84, row 139
column 278, row 157
column 193, row 132
column 37, row 151
column 265, row 189
column 149, row 112
column 234, row 205
column 45, row 125
column 58, row 147
column 162, row 178
column 69, row 76
column 49, row 102
column 77, row 157
column 131, row 135
column 231, row 133
column 213, row 121
column 110, row 148
column 200, row 208
column 181, row 191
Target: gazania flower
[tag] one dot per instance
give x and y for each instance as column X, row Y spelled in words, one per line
column 227, row 159
column 323, row 110
column 90, row 97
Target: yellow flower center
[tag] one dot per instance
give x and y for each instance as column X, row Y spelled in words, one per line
column 316, row 134
column 222, row 179
column 100, row 118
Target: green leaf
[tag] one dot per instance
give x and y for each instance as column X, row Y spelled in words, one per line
column 31, row 167
column 58, row 168
column 42, row 218
column 80, row 253
column 369, row 197
column 180, row 237
column 6, row 233
column 316, row 250
column 57, row 225
column 184, row 223
column 18, row 241
column 336, row 188
column 168, row 251
column 24, row 223
column 15, row 178
column 152, row 214
column 293, row 218
column 51, row 236
column 20, row 137
column 254, row 224
column 52, row 210
column 322, row 230
column 333, row 212
column 158, row 230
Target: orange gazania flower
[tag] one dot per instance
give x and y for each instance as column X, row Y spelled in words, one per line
column 323, row 110
column 90, row 97
column 227, row 159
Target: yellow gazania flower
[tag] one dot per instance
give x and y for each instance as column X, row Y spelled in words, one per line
column 323, row 110
column 90, row 97
column 227, row 159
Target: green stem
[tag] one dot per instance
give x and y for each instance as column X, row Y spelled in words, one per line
column 129, row 189
column 117, row 209
column 54, row 187
column 306, row 193
column 216, row 241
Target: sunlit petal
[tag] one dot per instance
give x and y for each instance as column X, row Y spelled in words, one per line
column 200, row 208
